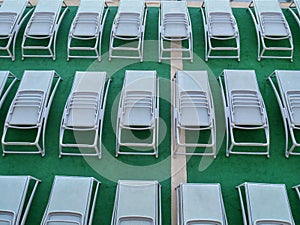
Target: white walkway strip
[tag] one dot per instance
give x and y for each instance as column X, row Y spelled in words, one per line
column 178, row 164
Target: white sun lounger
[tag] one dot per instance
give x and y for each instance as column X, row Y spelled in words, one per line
column 193, row 110
column 265, row 204
column 128, row 26
column 11, row 19
column 287, row 92
column 137, row 202
column 72, row 201
column 174, row 25
column 29, row 110
column 43, row 26
column 271, row 25
column 87, row 27
column 4, row 76
column 219, row 24
column 84, row 112
column 244, row 109
column 200, row 204
column 16, row 198
column 138, row 111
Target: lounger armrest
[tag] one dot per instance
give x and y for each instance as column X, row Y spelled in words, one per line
column 207, row 221
column 270, row 221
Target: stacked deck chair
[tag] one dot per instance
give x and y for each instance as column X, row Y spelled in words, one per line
column 286, row 85
column 200, row 204
column 138, row 112
column 174, row 25
column 87, row 27
column 84, row 113
column 295, row 4
column 29, row 111
column 4, row 76
column 129, row 26
column 11, row 19
column 16, row 194
column 244, row 110
column 193, row 110
column 265, row 204
column 271, row 26
column 41, row 30
column 137, row 202
column 72, row 201
column 220, row 25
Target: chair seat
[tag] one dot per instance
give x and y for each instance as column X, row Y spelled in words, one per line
column 194, row 117
column 137, row 117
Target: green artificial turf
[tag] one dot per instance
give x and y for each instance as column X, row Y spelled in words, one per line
column 236, row 169
column 227, row 171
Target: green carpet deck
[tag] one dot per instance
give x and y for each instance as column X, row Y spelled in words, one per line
column 227, row 171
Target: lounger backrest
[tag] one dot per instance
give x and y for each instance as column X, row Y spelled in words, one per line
column 288, row 80
column 91, row 6
column 268, row 201
column 170, row 7
column 12, row 194
column 202, row 202
column 131, row 6
column 137, row 199
column 89, row 82
column 217, row 6
column 49, row 6
column 36, row 81
column 13, row 6
column 240, row 80
column 136, row 80
column 265, row 6
column 69, row 195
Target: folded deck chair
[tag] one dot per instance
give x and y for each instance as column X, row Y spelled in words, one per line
column 193, row 110
column 244, row 109
column 72, row 201
column 41, row 30
column 137, row 202
column 16, row 196
column 200, row 204
column 84, row 112
column 128, row 26
column 29, row 111
column 287, row 92
column 295, row 4
column 11, row 19
column 4, row 76
column 138, row 111
column 265, row 204
column 87, row 27
column 174, row 25
column 270, row 25
column 219, row 24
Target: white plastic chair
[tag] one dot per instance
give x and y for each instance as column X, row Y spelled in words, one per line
column 72, row 201
column 174, row 25
column 138, row 111
column 220, row 24
column 244, row 110
column 4, row 76
column 87, row 27
column 193, row 110
column 42, row 27
column 271, row 26
column 11, row 19
column 128, row 26
column 29, row 110
column 84, row 113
